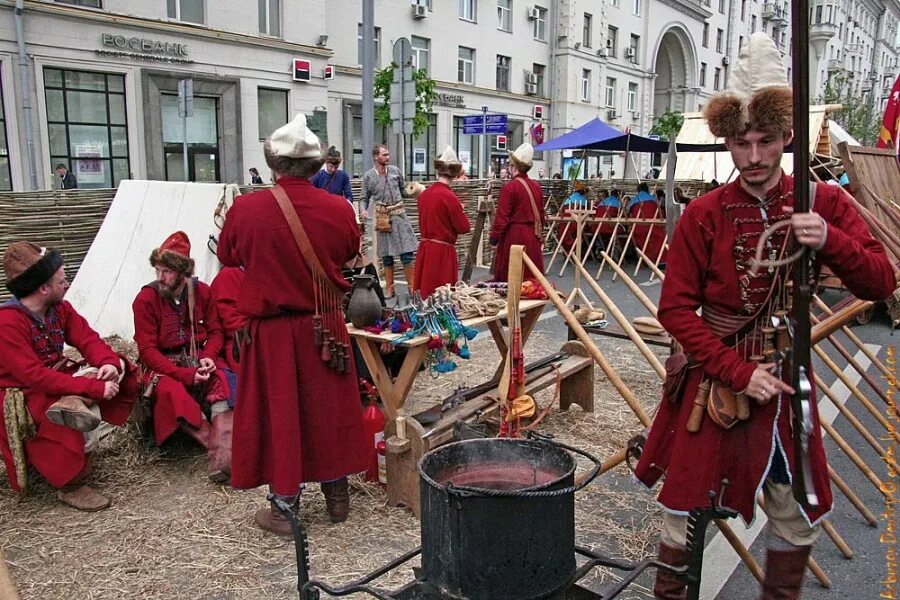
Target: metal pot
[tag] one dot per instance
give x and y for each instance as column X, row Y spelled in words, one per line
column 364, row 307
column 498, row 518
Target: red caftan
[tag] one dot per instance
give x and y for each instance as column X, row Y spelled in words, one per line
column 225, row 288
column 29, row 349
column 441, row 221
column 714, row 232
column 656, row 233
column 514, row 224
column 162, row 328
column 295, row 419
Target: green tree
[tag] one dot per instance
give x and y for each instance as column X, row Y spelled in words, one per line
column 425, row 97
column 858, row 115
column 668, row 125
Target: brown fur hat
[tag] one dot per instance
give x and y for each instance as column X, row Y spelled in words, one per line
column 174, row 253
column 758, row 97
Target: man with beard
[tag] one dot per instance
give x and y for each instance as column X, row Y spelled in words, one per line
column 298, row 416
column 52, row 405
column 180, row 339
column 714, row 241
column 332, row 179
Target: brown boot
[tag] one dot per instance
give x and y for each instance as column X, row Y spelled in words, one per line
column 337, row 499
column 784, row 573
column 218, row 456
column 389, row 282
column 273, row 521
column 200, row 434
column 409, row 271
column 78, row 495
column 72, row 411
column 670, row 586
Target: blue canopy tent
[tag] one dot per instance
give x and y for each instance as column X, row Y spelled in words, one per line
column 597, row 135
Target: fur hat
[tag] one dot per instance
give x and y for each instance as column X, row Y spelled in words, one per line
column 174, row 253
column 522, row 157
column 295, row 140
column 448, row 163
column 333, row 154
column 759, row 97
column 28, row 266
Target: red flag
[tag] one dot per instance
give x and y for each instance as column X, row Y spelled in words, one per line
column 536, row 132
column 890, row 126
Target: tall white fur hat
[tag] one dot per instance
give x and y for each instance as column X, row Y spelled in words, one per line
column 522, row 156
column 295, row 140
column 448, row 157
column 758, row 95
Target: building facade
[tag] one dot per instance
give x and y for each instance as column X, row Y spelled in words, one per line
column 102, row 76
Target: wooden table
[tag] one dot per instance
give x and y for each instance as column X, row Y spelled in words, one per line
column 394, row 392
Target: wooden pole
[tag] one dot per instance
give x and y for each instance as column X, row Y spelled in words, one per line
column 852, row 497
column 7, row 587
column 837, row 539
column 639, row 294
column 834, row 322
column 855, row 339
column 637, row 267
column 853, row 456
column 653, row 267
column 558, row 244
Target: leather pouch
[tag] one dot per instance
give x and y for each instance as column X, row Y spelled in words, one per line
column 677, row 366
column 722, row 407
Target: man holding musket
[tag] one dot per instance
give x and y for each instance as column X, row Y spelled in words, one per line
column 724, row 427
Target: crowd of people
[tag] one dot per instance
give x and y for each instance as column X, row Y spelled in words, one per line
column 261, row 359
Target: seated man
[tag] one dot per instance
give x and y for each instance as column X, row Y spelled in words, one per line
column 179, row 338
column 649, row 239
column 59, row 402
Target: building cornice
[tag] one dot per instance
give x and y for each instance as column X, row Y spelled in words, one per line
column 81, row 13
column 692, row 8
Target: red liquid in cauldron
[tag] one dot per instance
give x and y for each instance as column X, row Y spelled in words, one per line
column 498, row 476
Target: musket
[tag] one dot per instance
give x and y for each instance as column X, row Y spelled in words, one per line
column 801, row 403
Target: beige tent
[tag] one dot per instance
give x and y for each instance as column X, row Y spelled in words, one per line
column 718, row 165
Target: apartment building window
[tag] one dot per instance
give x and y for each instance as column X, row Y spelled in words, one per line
column 504, row 15
column 421, row 152
column 538, row 72
column 359, row 45
column 190, row 11
column 818, row 17
column 632, row 97
column 636, row 7
column 612, row 41
column 270, row 17
column 272, row 110
column 633, row 48
column 753, row 24
column 614, row 3
column 585, row 85
column 720, row 35
column 706, row 35
column 88, row 3
column 87, row 125
column 587, row 34
column 421, row 50
column 743, row 9
column 722, row 6
column 465, row 65
column 503, row 64
column 740, row 42
column 717, row 78
column 5, row 172
column 467, row 10
column 610, row 92
column 702, row 74
column 540, row 24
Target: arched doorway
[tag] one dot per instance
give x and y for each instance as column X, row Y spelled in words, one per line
column 676, row 79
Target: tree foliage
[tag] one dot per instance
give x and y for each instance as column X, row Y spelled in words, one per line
column 858, row 115
column 668, row 124
column 425, row 97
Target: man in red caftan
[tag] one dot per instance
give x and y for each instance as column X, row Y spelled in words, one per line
column 180, row 347
column 225, row 289
column 61, row 401
column 298, row 417
column 441, row 221
column 649, row 239
column 520, row 217
column 713, row 242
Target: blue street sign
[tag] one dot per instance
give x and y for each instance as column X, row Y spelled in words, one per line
column 474, row 124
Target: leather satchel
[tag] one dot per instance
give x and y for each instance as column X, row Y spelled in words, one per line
column 677, row 367
column 382, row 219
column 722, row 407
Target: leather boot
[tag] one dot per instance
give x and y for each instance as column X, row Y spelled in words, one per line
column 218, row 455
column 337, row 499
column 409, row 271
column 80, row 496
column 72, row 411
column 389, row 282
column 669, row 586
column 200, row 434
column 784, row 573
column 273, row 521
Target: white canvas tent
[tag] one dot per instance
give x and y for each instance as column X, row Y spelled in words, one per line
column 142, row 214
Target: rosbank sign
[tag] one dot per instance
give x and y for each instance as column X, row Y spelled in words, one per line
column 139, row 44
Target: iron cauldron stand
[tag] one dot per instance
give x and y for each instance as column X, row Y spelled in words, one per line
column 498, row 523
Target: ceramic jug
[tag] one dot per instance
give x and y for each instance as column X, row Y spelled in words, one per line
column 364, row 307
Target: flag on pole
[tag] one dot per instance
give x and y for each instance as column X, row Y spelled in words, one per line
column 536, row 131
column 890, row 126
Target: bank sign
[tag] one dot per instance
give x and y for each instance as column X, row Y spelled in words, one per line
column 143, row 48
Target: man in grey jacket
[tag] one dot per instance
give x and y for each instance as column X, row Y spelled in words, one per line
column 383, row 190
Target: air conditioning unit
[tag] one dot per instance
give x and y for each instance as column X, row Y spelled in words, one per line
column 609, row 44
column 531, row 89
column 419, row 11
column 726, row 61
column 534, row 13
column 635, row 115
column 768, row 11
column 611, row 115
column 629, row 52
column 531, row 79
column 602, row 52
